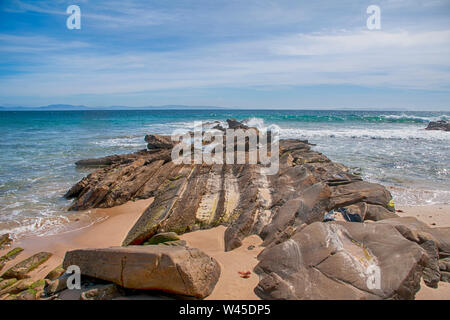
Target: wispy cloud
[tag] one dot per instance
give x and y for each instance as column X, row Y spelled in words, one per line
column 135, row 48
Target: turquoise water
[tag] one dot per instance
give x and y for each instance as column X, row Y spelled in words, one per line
column 38, row 151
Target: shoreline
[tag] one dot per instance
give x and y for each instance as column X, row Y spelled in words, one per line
column 117, row 221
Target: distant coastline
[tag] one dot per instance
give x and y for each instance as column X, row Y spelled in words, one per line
column 70, row 107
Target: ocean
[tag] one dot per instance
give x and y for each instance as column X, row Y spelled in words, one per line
column 38, row 150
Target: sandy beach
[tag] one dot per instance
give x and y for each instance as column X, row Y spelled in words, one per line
column 116, row 222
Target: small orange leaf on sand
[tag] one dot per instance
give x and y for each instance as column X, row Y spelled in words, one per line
column 244, row 275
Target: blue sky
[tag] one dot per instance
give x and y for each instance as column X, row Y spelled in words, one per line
column 250, row 54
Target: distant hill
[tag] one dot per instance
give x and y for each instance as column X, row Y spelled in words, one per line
column 69, row 107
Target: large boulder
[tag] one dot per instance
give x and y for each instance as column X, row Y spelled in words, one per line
column 5, row 239
column 177, row 269
column 438, row 125
column 419, row 232
column 341, row 260
column 156, row 141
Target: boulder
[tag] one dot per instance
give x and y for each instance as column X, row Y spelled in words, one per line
column 419, row 232
column 5, row 240
column 162, row 237
column 234, row 124
column 174, row 269
column 341, row 260
column 21, row 269
column 438, row 125
column 158, row 142
column 10, row 255
column 445, row 276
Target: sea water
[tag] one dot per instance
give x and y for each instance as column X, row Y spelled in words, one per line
column 38, row 150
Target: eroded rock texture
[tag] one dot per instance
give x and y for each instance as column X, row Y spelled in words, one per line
column 305, row 258
column 188, row 197
column 338, row 260
column 176, row 270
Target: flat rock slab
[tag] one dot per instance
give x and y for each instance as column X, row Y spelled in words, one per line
column 175, row 269
column 342, row 260
column 21, row 269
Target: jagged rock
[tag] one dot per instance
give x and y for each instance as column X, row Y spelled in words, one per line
column 337, row 260
column 360, row 191
column 21, row 269
column 438, row 125
column 419, row 232
column 5, row 240
column 158, row 142
column 175, row 269
column 54, row 286
column 10, row 255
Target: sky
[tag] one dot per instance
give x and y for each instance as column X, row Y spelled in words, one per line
column 276, row 54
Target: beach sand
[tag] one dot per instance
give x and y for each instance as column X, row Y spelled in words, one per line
column 114, row 224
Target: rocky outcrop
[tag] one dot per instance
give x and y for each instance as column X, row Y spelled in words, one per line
column 341, row 260
column 305, row 257
column 21, row 269
column 175, row 269
column 438, row 125
column 188, row 196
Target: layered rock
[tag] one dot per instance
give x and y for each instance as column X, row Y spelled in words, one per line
column 190, row 196
column 21, row 269
column 341, row 260
column 177, row 269
column 438, row 125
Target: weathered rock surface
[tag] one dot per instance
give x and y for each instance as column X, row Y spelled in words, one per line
column 188, row 197
column 10, row 255
column 104, row 292
column 21, row 269
column 157, row 142
column 5, row 239
column 438, row 125
column 338, row 260
column 162, row 238
column 110, row 160
column 175, row 269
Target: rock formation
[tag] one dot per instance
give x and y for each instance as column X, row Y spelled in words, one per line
column 438, row 125
column 305, row 257
column 176, row 269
